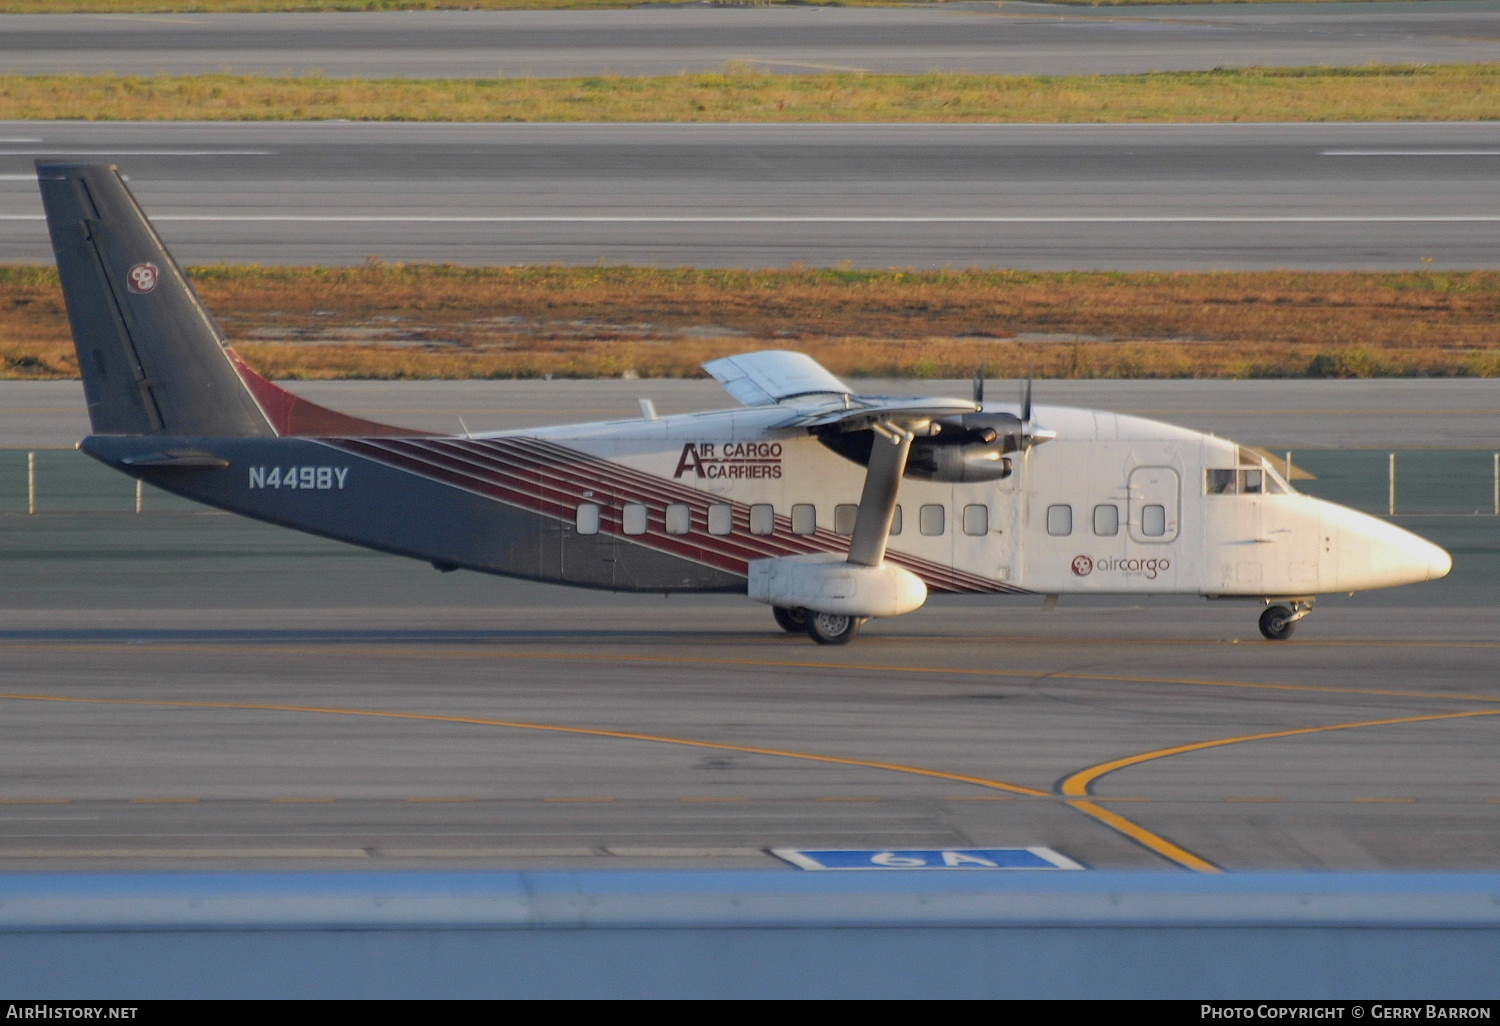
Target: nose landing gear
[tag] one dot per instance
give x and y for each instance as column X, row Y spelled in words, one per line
column 1279, row 621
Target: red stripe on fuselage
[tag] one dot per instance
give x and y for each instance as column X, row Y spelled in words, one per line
column 553, row 480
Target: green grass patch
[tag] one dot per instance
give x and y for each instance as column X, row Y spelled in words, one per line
column 1460, row 92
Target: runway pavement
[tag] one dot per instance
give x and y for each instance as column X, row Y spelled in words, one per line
column 1374, row 414
column 1320, row 196
column 190, row 689
column 1004, row 38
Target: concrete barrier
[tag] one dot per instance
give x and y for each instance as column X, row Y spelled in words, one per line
column 676, row 933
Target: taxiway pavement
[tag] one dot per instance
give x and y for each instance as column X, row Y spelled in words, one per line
column 1194, row 197
column 1006, row 38
column 190, row 689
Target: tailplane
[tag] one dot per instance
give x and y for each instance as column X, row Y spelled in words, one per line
column 153, row 361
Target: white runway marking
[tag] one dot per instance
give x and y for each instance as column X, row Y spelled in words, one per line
column 1411, row 153
column 813, row 219
column 135, row 153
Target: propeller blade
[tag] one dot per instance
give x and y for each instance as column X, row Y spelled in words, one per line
column 979, row 385
column 1026, row 401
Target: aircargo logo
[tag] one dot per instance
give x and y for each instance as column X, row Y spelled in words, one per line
column 737, row 460
column 142, row 278
column 1147, row 568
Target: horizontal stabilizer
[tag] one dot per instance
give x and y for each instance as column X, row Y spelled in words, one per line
column 178, row 459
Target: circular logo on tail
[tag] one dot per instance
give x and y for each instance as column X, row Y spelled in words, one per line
column 1082, row 566
column 143, row 278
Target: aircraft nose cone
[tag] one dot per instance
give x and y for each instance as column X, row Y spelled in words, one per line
column 1374, row 553
column 1439, row 562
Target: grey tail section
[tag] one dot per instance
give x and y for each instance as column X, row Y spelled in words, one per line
column 152, row 359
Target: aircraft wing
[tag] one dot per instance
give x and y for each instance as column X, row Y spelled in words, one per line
column 776, row 376
column 769, row 376
column 856, row 413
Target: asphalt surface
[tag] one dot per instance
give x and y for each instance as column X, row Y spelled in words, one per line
column 190, row 689
column 1377, row 415
column 1008, row 38
column 1321, row 196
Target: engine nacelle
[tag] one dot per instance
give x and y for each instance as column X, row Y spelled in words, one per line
column 827, row 583
column 958, row 463
column 963, row 449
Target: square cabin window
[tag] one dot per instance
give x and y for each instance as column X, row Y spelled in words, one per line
column 976, row 520
column 1107, row 520
column 932, row 520
column 633, row 518
column 1153, row 521
column 896, row 522
column 679, row 518
column 844, row 515
column 721, row 518
column 1059, row 521
column 804, row 518
column 762, row 518
column 587, row 520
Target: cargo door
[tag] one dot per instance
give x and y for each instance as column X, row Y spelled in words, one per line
column 1155, row 505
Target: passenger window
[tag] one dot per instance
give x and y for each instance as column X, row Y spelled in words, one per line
column 633, row 519
column 804, row 518
column 1153, row 521
column 762, row 518
column 1060, row 521
column 844, row 515
column 587, row 520
column 1106, row 521
column 1219, row 482
column 720, row 518
column 976, row 520
column 932, row 520
column 896, row 522
column 679, row 518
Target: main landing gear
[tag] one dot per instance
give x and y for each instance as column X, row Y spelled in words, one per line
column 1279, row 621
column 824, row 628
column 793, row 621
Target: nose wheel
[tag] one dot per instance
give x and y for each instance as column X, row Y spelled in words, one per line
column 1279, row 621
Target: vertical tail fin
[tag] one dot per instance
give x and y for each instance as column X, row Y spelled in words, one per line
column 152, row 359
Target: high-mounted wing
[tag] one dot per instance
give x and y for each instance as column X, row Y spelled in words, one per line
column 769, row 376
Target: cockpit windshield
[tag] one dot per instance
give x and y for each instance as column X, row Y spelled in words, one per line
column 1254, row 476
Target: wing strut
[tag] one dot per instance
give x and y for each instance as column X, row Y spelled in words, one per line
column 877, row 503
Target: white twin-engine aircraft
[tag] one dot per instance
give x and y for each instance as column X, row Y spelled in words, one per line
column 829, row 506
column 954, row 495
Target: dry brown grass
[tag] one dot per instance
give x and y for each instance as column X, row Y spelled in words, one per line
column 264, row 6
column 1375, row 93
column 441, row 321
column 235, row 6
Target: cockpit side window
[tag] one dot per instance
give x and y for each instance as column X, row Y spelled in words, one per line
column 1221, row 482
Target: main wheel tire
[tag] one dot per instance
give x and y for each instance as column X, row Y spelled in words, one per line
column 792, row 620
column 1276, row 623
column 831, row 628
